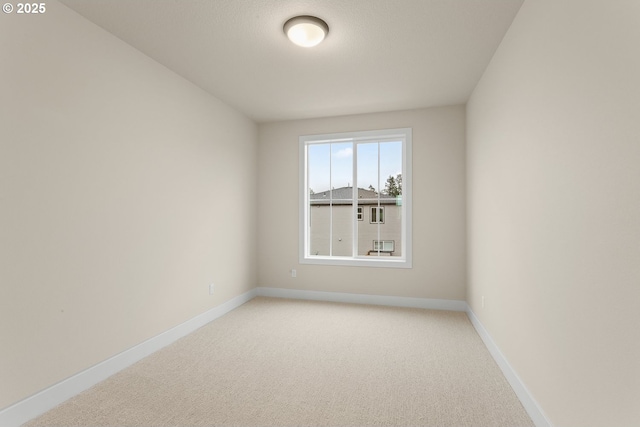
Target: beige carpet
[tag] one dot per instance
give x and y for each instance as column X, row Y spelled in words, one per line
column 276, row 362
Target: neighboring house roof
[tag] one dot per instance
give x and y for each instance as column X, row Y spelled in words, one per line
column 344, row 195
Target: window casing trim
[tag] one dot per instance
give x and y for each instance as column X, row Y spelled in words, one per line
column 404, row 261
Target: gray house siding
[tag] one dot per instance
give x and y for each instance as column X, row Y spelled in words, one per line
column 328, row 211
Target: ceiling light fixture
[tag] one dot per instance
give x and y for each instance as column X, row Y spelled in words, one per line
column 306, row 31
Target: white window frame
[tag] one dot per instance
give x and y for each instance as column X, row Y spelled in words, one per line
column 360, row 213
column 403, row 261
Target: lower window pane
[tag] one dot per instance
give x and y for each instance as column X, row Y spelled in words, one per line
column 342, row 230
column 319, row 220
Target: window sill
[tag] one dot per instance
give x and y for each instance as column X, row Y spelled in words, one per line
column 365, row 261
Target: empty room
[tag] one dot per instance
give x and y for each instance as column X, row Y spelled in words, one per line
column 320, row 213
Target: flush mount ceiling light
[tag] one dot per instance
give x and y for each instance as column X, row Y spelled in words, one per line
column 306, row 31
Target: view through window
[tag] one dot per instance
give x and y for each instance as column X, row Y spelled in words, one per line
column 356, row 198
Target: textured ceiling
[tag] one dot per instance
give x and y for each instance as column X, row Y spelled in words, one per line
column 380, row 55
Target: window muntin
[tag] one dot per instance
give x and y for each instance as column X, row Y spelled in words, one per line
column 345, row 177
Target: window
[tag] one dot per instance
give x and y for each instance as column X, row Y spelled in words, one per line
column 344, row 177
column 377, row 215
column 383, row 245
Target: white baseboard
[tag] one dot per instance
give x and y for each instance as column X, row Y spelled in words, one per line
column 435, row 304
column 39, row 403
column 528, row 402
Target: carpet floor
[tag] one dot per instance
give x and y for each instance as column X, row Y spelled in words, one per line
column 278, row 362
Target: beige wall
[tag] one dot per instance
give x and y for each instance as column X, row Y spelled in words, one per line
column 124, row 191
column 554, row 207
column 439, row 263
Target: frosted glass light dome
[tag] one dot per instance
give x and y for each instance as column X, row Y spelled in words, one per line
column 306, row 31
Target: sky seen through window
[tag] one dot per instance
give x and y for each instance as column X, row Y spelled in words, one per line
column 331, row 165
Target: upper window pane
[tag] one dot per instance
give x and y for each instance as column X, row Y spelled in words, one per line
column 341, row 166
